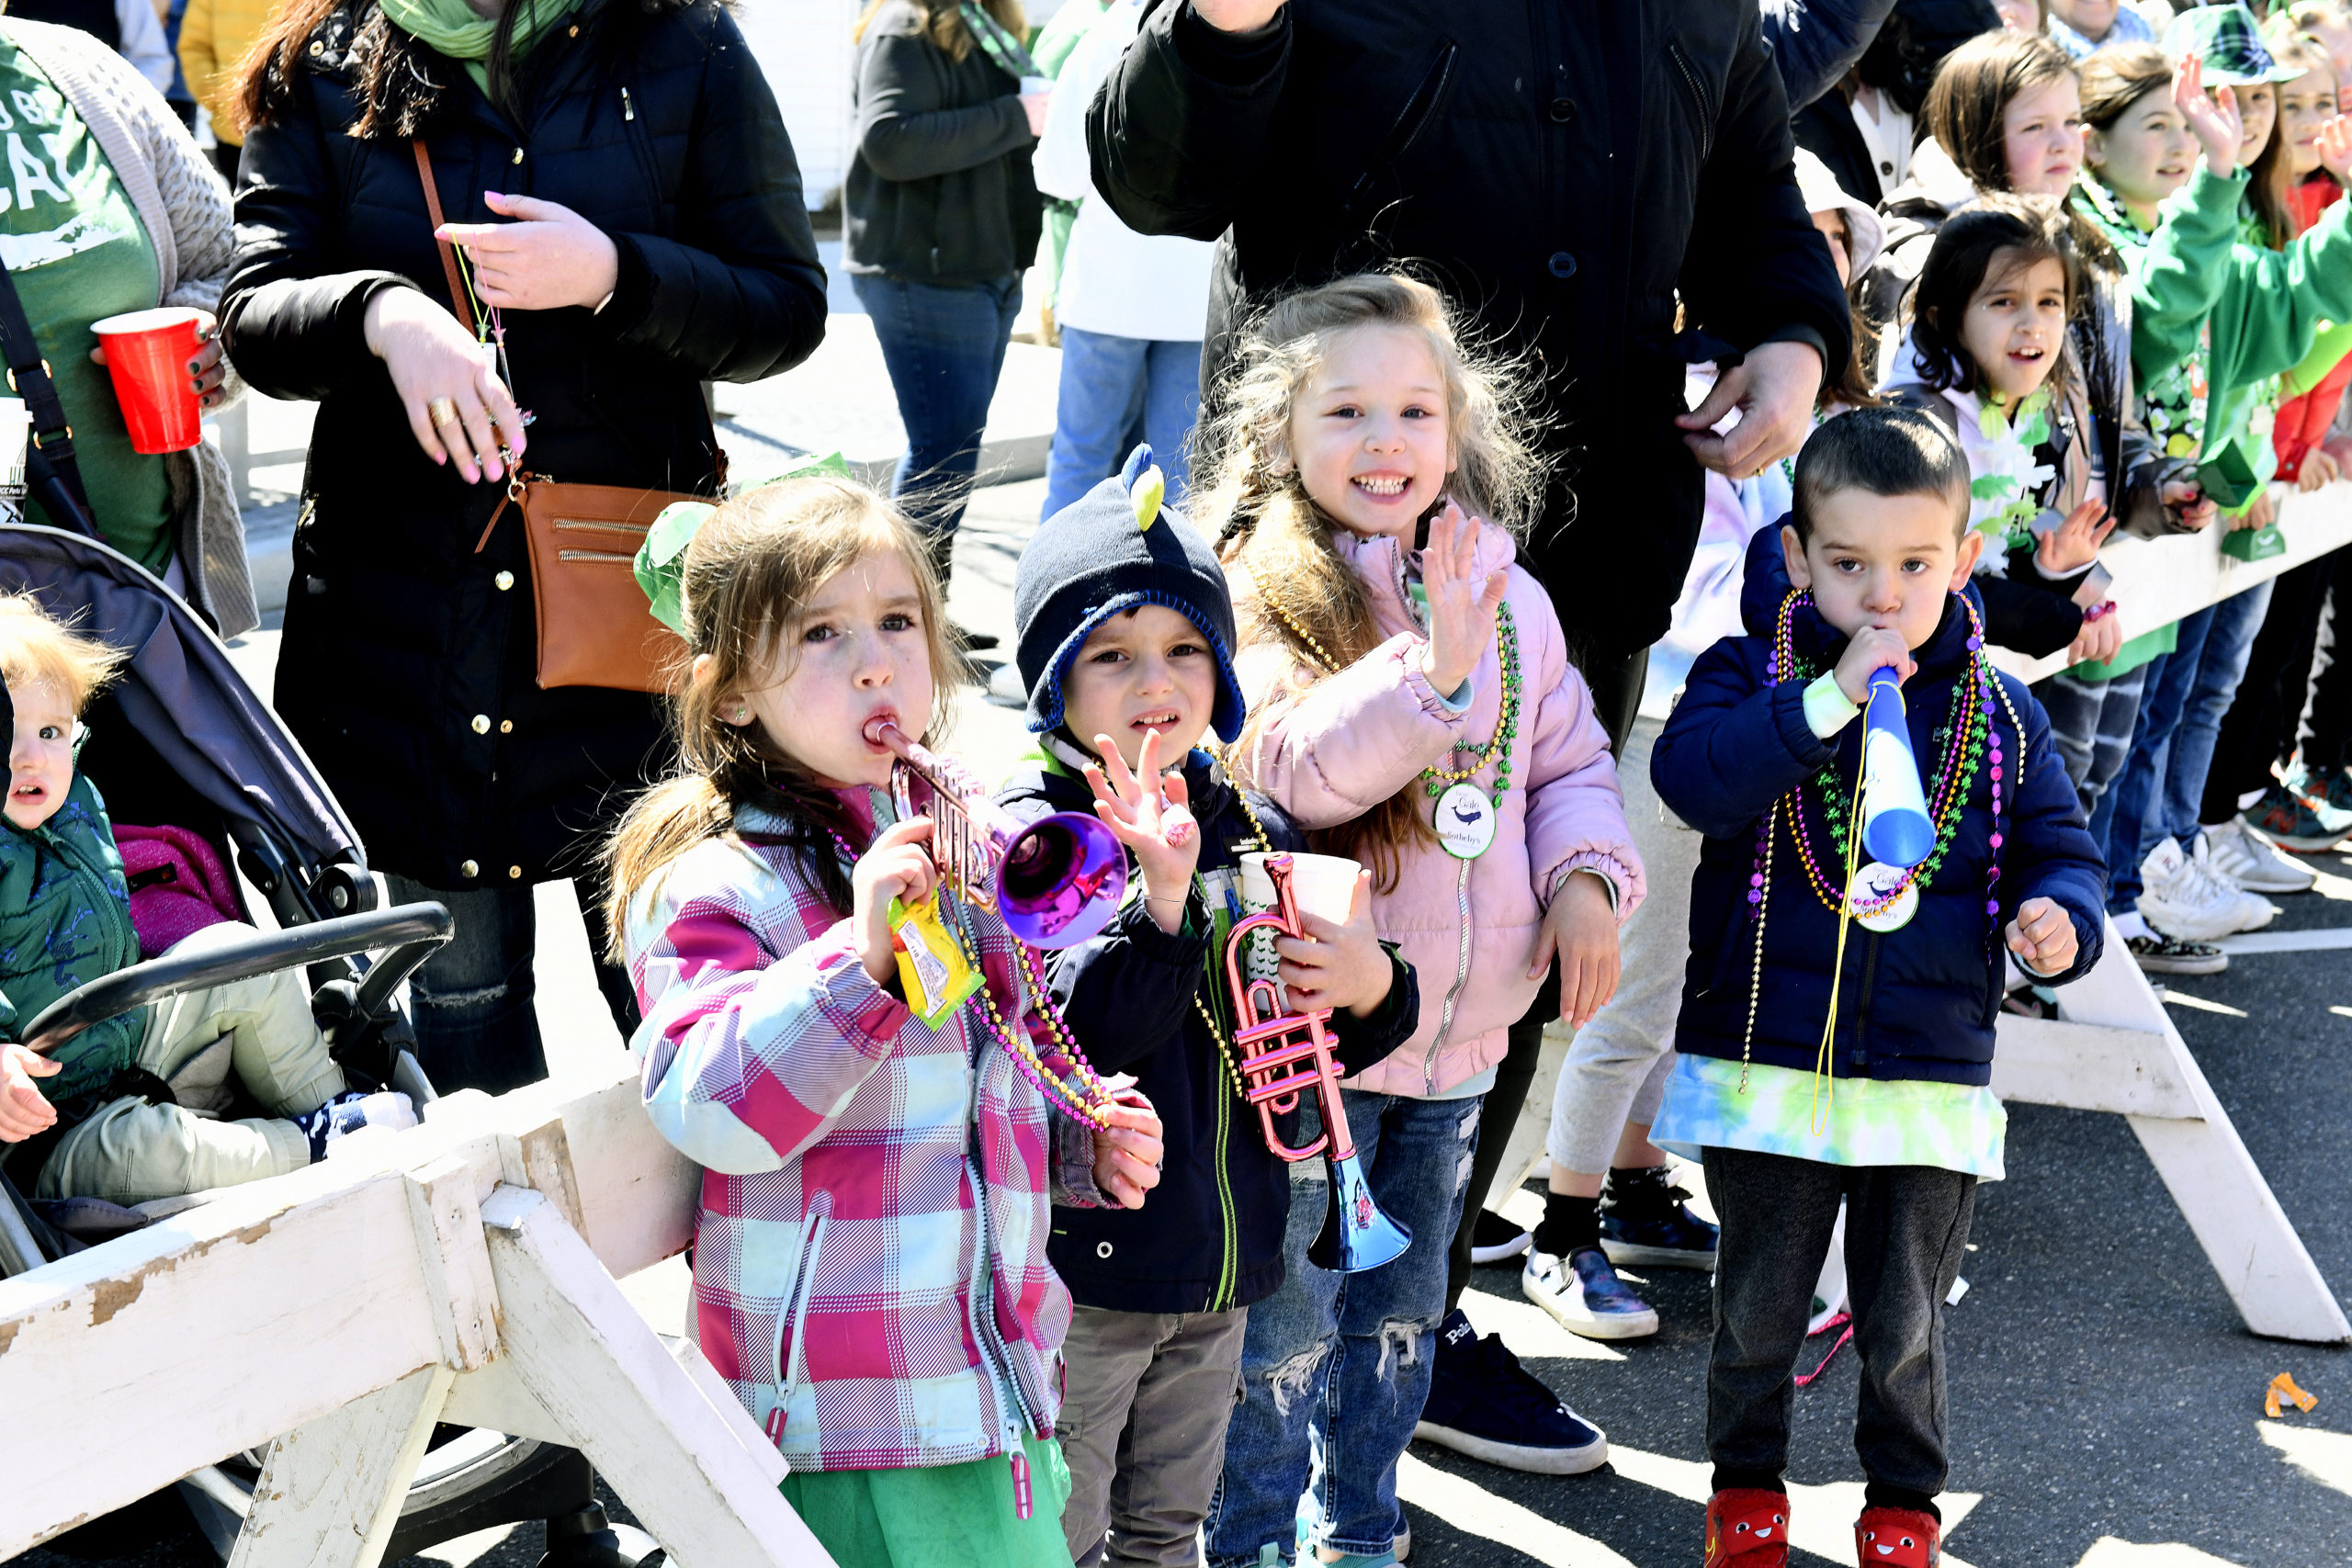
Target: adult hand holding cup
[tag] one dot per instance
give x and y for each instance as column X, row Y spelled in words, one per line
column 165, row 365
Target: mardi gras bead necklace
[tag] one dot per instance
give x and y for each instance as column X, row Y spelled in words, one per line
column 1970, row 731
column 1465, row 825
column 1082, row 1095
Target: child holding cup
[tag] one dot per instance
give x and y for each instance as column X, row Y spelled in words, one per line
column 1123, row 632
column 1412, row 706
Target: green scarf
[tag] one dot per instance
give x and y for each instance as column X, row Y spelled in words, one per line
column 464, row 34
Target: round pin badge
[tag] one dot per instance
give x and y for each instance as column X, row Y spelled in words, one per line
column 1465, row 822
column 1873, row 886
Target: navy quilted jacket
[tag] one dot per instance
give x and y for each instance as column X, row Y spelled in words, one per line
column 408, row 666
column 1919, row 1002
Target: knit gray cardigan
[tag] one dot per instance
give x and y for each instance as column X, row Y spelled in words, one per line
column 184, row 205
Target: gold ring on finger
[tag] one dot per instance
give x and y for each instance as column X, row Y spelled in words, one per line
column 444, row 410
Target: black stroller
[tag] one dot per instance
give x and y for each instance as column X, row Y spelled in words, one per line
column 181, row 738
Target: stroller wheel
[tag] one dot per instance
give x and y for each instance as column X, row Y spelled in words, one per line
column 587, row 1539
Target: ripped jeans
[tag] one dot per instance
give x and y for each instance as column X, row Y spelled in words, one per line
column 1335, row 1367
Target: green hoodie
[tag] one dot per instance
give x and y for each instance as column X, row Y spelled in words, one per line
column 2202, row 276
column 64, row 921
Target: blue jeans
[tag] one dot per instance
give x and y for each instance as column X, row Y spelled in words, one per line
column 2163, row 781
column 944, row 345
column 1336, row 1367
column 472, row 1004
column 1109, row 384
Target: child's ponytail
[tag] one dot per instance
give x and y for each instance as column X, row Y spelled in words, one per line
column 752, row 565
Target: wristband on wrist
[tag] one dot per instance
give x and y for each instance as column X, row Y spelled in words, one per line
column 2099, row 611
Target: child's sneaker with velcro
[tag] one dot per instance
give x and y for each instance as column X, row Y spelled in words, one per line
column 1583, row 1292
column 1897, row 1537
column 1645, row 1222
column 1748, row 1528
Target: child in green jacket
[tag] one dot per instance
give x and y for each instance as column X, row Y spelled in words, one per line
column 118, row 1104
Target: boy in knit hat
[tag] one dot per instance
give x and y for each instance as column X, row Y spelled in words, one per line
column 1124, row 636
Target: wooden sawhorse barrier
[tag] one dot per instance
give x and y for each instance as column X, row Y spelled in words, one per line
column 460, row 1272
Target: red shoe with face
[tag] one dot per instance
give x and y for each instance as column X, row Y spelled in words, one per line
column 1897, row 1537
column 1748, row 1528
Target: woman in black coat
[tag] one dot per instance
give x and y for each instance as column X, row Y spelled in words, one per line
column 943, row 219
column 643, row 232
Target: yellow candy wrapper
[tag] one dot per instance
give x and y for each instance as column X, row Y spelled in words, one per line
column 933, row 970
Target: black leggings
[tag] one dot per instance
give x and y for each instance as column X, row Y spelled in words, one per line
column 2259, row 730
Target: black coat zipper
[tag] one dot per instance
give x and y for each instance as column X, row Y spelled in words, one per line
column 1674, row 52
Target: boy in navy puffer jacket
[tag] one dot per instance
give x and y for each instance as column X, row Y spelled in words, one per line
column 1827, row 1058
column 1124, row 632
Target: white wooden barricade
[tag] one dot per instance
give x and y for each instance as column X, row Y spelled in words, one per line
column 2114, row 1047
column 461, row 1270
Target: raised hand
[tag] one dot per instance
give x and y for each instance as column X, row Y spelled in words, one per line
column 1151, row 813
column 2074, row 544
column 896, row 867
column 2214, row 121
column 1461, row 608
column 2335, row 147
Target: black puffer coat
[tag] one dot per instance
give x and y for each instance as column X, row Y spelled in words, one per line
column 1568, row 173
column 409, row 658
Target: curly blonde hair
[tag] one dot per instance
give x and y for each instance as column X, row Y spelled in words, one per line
column 1266, row 521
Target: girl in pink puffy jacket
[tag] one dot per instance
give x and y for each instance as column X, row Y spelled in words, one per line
column 1412, row 704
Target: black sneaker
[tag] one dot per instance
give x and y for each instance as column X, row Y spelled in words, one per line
column 1494, row 1239
column 1643, row 1222
column 2159, row 955
column 1484, row 1403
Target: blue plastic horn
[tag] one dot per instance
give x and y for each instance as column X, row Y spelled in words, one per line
column 1895, row 829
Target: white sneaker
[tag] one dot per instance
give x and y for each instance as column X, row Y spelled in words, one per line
column 2237, row 851
column 1583, row 1292
column 2181, row 899
column 2251, row 911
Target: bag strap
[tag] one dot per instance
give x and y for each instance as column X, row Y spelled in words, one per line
column 29, row 378
column 449, row 252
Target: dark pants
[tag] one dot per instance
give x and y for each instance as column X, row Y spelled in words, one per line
column 2327, row 739
column 1616, row 685
column 2260, row 728
column 944, row 345
column 472, row 1002
column 1907, row 1227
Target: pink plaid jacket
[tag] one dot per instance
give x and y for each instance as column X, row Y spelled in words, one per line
column 869, row 1259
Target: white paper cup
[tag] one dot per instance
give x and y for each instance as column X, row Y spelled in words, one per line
column 16, row 435
column 1322, row 885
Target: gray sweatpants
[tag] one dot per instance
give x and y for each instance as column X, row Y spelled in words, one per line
column 260, row 1029
column 1617, row 1066
column 1144, row 1411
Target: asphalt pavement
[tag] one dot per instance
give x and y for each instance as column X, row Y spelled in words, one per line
column 2105, row 1401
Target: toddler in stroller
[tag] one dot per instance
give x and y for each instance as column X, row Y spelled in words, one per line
column 133, row 1106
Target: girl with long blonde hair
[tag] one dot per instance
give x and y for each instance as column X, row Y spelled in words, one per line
column 1412, row 704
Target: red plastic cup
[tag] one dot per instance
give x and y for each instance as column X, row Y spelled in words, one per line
column 147, row 355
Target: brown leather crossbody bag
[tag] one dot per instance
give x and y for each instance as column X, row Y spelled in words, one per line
column 595, row 627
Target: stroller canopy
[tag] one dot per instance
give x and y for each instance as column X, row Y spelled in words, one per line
column 180, row 691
